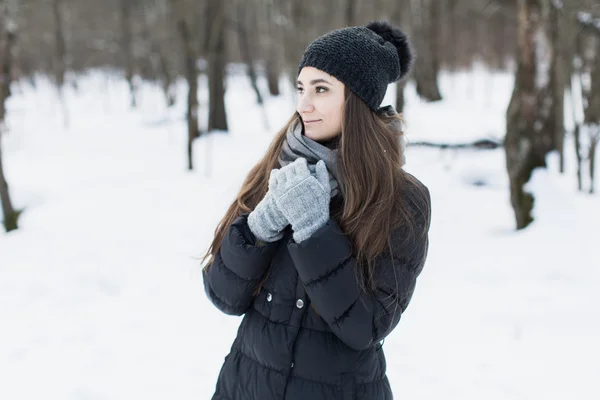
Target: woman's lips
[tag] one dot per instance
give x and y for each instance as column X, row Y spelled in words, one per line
column 312, row 122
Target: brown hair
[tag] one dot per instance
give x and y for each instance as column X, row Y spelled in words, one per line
column 370, row 160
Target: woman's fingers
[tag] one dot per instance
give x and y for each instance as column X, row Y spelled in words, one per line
column 323, row 175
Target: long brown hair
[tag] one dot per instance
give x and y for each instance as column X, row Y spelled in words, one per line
column 370, row 160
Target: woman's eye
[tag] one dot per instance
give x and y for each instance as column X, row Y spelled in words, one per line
column 318, row 89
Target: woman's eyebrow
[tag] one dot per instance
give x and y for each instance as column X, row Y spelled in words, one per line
column 314, row 82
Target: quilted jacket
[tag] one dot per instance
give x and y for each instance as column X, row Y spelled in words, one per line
column 311, row 333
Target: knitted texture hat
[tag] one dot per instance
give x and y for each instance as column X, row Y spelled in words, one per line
column 364, row 58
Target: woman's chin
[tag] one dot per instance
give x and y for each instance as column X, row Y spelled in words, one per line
column 312, row 135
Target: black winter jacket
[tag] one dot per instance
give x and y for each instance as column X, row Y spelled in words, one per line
column 311, row 333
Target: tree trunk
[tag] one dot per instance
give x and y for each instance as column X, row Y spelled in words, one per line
column 272, row 70
column 8, row 38
column 166, row 78
column 246, row 45
column 577, row 137
column 592, row 112
column 592, row 156
column 59, row 40
column 397, row 14
column 158, row 59
column 529, row 134
column 592, row 98
column 351, row 12
column 191, row 76
column 424, row 29
column 60, row 66
column 8, row 212
column 128, row 48
column 295, row 37
column 217, row 118
column 435, row 23
column 273, row 67
column 451, row 30
column 591, row 89
column 400, row 85
column 559, row 83
column 575, row 69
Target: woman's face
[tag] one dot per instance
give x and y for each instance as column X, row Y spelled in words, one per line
column 320, row 104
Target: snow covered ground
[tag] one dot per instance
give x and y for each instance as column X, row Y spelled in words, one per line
column 101, row 291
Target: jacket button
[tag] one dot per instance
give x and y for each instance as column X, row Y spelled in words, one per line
column 292, row 365
column 299, row 303
column 269, row 297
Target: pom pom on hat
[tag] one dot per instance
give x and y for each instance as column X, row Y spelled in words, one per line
column 400, row 41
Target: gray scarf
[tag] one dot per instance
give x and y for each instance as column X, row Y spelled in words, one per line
column 297, row 145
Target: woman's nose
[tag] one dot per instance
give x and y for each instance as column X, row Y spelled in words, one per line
column 305, row 105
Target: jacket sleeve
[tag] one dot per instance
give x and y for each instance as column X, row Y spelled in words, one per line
column 328, row 270
column 237, row 268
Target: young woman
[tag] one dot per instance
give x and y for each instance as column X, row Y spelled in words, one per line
column 322, row 247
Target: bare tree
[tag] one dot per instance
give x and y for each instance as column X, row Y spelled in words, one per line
column 590, row 82
column 573, row 44
column 351, row 12
column 126, row 28
column 425, row 22
column 272, row 21
column 156, row 49
column 7, row 40
column 247, row 40
column 191, row 74
column 400, row 85
column 295, row 37
column 576, row 136
column 529, row 123
column 60, row 65
column 559, row 78
column 400, row 19
column 215, row 49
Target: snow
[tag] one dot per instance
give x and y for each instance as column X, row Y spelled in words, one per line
column 543, row 58
column 101, row 291
column 587, row 19
column 584, row 17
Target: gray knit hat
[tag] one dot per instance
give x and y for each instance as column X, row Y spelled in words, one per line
column 364, row 58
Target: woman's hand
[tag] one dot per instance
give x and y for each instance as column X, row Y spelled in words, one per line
column 301, row 197
column 266, row 221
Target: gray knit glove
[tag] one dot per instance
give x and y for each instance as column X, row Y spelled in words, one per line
column 266, row 221
column 301, row 197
